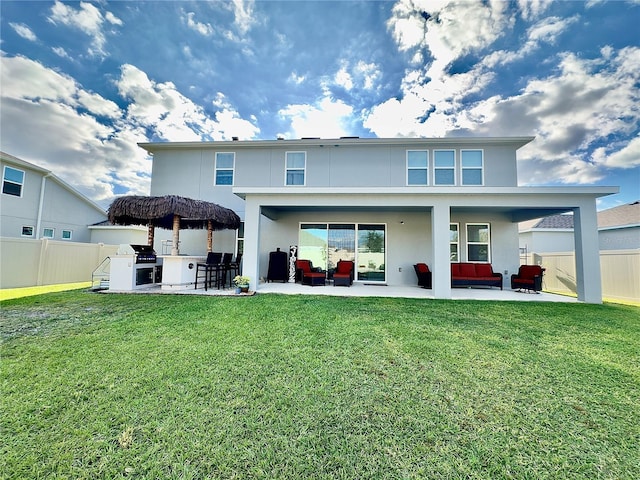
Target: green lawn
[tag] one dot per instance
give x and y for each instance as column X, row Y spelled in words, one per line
column 142, row 386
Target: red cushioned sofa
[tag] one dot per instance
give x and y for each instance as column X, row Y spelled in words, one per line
column 529, row 277
column 474, row 274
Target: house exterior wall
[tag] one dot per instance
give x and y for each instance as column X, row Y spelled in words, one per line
column 17, row 212
column 365, row 181
column 620, row 238
column 46, row 202
column 556, row 240
column 117, row 235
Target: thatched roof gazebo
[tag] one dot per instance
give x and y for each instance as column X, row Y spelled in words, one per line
column 172, row 212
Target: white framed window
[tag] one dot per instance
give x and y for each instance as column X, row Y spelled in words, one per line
column 478, row 242
column 12, row 181
column 295, row 167
column 48, row 232
column 240, row 239
column 472, row 162
column 225, row 165
column 67, row 234
column 454, row 242
column 417, row 167
column 27, row 231
column 444, row 167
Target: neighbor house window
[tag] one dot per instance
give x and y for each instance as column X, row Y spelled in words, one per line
column 472, row 166
column 444, row 164
column 478, row 242
column 296, row 163
column 12, row 181
column 224, row 168
column 417, row 167
column 48, row 233
column 454, row 242
column 27, row 231
column 67, row 234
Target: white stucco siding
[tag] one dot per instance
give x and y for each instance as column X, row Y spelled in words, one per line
column 19, row 211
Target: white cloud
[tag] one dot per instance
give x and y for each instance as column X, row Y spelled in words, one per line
column 343, row 78
column 586, row 104
column 173, row 116
column 327, row 119
column 244, row 18
column 57, row 124
column 88, row 19
column 296, row 79
column 627, row 157
column 61, row 52
column 24, row 31
column 204, row 29
column 530, row 9
column 88, row 140
column 581, row 106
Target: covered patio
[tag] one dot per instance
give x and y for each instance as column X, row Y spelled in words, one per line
column 364, row 290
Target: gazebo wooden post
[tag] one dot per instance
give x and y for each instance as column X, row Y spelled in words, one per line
column 150, row 234
column 176, row 235
column 209, row 236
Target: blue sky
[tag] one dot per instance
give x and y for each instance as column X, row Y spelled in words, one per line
column 83, row 82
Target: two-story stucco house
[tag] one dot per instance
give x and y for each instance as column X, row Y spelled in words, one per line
column 385, row 203
column 37, row 204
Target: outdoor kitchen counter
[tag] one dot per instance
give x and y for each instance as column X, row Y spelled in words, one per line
column 179, row 271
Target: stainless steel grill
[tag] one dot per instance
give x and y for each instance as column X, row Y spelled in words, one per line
column 142, row 253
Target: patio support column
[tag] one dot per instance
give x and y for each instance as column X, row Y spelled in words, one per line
column 440, row 219
column 588, row 280
column 251, row 255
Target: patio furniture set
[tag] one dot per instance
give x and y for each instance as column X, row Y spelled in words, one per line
column 467, row 274
column 217, row 269
column 310, row 275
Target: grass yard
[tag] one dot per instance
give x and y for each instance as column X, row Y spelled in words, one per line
column 315, row 387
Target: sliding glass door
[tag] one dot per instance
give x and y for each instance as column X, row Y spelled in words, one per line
column 371, row 253
column 327, row 243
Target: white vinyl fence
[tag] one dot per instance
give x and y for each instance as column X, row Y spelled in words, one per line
column 26, row 262
column 620, row 272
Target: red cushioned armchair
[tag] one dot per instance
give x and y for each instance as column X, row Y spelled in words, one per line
column 424, row 275
column 309, row 275
column 343, row 275
column 529, row 277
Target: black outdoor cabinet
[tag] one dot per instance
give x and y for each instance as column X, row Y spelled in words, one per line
column 278, row 268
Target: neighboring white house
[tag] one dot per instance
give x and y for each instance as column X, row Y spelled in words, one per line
column 37, row 204
column 618, row 229
column 385, row 203
column 105, row 232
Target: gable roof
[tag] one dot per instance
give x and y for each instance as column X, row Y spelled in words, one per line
column 555, row 221
column 620, row 216
column 10, row 159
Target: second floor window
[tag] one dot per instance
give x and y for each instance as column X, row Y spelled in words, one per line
column 417, row 167
column 444, row 167
column 296, row 163
column 48, row 233
column 224, row 168
column 12, row 181
column 472, row 166
column 67, row 234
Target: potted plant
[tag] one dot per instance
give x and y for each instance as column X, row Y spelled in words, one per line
column 242, row 283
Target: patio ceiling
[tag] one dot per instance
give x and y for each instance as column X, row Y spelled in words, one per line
column 516, row 214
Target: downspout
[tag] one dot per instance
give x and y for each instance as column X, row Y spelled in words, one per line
column 41, row 205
